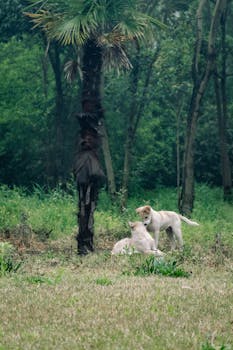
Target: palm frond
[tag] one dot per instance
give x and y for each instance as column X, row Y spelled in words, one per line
column 74, row 21
column 71, row 70
column 73, row 31
column 43, row 19
column 109, row 39
column 65, row 27
column 115, row 57
column 138, row 26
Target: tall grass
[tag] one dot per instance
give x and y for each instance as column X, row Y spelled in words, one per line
column 55, row 212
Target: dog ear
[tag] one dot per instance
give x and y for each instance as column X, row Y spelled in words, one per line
column 131, row 224
column 147, row 209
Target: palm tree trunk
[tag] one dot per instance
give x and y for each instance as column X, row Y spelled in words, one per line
column 87, row 167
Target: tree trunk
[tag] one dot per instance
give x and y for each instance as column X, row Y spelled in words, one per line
column 87, row 168
column 135, row 114
column 200, row 81
column 59, row 158
column 108, row 161
column 126, row 168
column 178, row 123
column 130, row 125
column 221, row 103
column 106, row 151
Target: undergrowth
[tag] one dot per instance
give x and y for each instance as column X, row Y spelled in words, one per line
column 53, row 215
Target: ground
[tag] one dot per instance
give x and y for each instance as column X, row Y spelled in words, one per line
column 57, row 300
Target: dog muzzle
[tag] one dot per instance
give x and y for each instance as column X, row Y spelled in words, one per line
column 147, row 221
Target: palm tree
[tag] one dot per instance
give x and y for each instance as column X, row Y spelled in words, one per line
column 101, row 27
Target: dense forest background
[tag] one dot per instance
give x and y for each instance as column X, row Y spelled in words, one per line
column 146, row 107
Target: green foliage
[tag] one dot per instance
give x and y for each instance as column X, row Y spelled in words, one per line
column 23, row 112
column 160, row 266
column 7, row 263
column 27, row 84
column 48, row 212
column 12, row 21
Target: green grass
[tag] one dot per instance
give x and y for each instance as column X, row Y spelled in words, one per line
column 53, row 212
column 57, row 300
column 162, row 267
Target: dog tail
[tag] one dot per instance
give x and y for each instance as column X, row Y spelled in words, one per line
column 190, row 222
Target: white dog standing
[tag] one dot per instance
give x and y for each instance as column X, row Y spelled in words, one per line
column 140, row 242
column 156, row 221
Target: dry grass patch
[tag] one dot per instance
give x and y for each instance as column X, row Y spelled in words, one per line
column 89, row 304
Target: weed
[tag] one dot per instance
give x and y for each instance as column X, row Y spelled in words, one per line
column 103, row 281
column 7, row 263
column 155, row 266
column 39, row 279
column 209, row 346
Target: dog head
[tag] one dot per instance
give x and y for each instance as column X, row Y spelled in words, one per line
column 136, row 225
column 145, row 213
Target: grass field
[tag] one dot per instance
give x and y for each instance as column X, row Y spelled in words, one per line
column 57, row 300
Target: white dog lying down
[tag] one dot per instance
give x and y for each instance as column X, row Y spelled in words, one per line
column 140, row 242
column 156, row 221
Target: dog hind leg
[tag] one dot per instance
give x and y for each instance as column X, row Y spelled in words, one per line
column 171, row 237
column 178, row 234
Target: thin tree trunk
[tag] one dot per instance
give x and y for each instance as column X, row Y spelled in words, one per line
column 178, row 177
column 221, row 103
column 200, row 80
column 106, row 151
column 129, row 133
column 108, row 160
column 87, row 167
column 133, row 121
column 225, row 161
column 126, row 168
column 59, row 158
